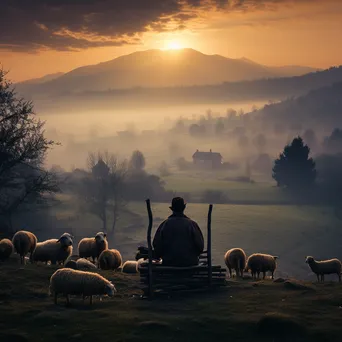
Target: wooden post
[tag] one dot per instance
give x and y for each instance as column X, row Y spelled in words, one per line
column 209, row 245
column 149, row 244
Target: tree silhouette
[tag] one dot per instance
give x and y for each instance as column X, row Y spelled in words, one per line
column 23, row 148
column 102, row 189
column 333, row 143
column 294, row 169
column 260, row 142
column 219, row 126
column 137, row 161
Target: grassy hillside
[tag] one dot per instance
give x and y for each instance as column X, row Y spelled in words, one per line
column 27, row 313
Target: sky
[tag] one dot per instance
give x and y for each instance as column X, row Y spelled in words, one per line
column 40, row 37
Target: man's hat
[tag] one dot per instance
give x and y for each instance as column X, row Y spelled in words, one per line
column 178, row 204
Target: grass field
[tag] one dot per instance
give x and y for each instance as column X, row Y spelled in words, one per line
column 197, row 183
column 27, row 312
column 290, row 232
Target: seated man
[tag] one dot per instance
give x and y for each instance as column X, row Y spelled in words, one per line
column 178, row 240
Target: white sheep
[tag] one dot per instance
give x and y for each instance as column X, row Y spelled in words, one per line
column 80, row 264
column 110, row 259
column 54, row 250
column 67, row 282
column 130, row 266
column 235, row 259
column 93, row 247
column 6, row 249
column 24, row 242
column 261, row 263
column 320, row 268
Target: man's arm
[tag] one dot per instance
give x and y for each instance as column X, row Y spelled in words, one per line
column 198, row 237
column 157, row 242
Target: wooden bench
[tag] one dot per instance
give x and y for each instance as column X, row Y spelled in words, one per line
column 157, row 278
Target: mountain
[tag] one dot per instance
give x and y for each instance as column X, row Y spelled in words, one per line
column 283, row 71
column 40, row 80
column 158, row 68
column 320, row 108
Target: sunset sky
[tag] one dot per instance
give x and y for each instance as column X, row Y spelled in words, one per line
column 39, row 37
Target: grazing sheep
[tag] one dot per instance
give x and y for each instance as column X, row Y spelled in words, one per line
column 84, row 264
column 261, row 263
column 6, row 249
column 320, row 268
column 235, row 259
column 110, row 259
column 56, row 251
column 24, row 242
column 142, row 253
column 130, row 266
column 80, row 264
column 93, row 247
column 67, row 282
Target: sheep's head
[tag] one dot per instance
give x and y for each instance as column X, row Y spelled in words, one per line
column 110, row 290
column 69, row 235
column 309, row 260
column 100, row 237
column 65, row 240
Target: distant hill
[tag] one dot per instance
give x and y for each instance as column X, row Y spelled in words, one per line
column 40, row 80
column 158, row 68
column 321, row 108
column 247, row 91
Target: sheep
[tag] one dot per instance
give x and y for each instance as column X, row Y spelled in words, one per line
column 6, row 249
column 80, row 264
column 235, row 259
column 110, row 259
column 93, row 247
column 71, row 264
column 130, row 266
column 56, row 251
column 261, row 263
column 67, row 282
column 320, row 268
column 24, row 242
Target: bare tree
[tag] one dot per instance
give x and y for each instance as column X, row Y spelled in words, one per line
column 23, row 148
column 103, row 189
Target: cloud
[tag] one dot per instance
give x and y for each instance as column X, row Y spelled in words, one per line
column 30, row 25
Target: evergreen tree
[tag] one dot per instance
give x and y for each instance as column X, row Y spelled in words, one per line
column 137, row 161
column 294, row 169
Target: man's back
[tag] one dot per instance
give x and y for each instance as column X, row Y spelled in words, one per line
column 178, row 241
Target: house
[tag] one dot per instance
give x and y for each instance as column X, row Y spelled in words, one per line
column 207, row 159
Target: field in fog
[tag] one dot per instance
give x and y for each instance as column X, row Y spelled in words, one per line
column 80, row 123
column 290, row 232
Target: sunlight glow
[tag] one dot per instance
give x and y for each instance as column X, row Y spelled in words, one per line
column 173, row 45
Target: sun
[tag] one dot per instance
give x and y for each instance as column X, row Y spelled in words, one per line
column 173, row 45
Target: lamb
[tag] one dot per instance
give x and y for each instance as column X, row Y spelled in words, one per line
column 320, row 268
column 56, row 251
column 93, row 247
column 235, row 259
column 67, row 282
column 110, row 259
column 80, row 264
column 261, row 263
column 6, row 249
column 24, row 242
column 130, row 266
